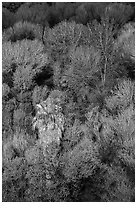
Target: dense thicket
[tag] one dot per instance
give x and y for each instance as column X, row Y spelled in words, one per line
column 68, row 102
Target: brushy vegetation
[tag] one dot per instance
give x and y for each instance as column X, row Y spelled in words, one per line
column 68, row 102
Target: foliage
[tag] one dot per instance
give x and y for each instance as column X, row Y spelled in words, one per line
column 23, row 30
column 124, row 127
column 20, row 142
column 114, row 129
column 7, row 152
column 22, row 117
column 7, row 118
column 126, row 41
column 19, row 117
column 12, row 6
column 112, row 184
column 62, row 36
column 114, row 135
column 83, row 67
column 14, row 183
column 103, row 39
column 69, row 10
column 8, row 18
column 121, row 13
column 33, row 155
column 95, row 10
column 39, row 94
column 25, row 59
column 33, row 12
column 68, row 102
column 37, row 183
column 81, row 14
column 81, row 161
column 5, row 90
column 72, row 135
column 122, row 96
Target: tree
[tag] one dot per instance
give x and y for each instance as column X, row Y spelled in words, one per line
column 103, row 39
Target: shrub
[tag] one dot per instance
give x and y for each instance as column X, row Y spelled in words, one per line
column 37, row 183
column 33, row 155
column 5, row 90
column 125, row 42
column 25, row 99
column 116, row 145
column 82, row 76
column 14, row 182
column 114, row 132
column 83, row 67
column 81, row 161
column 7, row 118
column 121, row 13
column 23, row 117
column 24, row 60
column 36, row 13
column 95, row 10
column 122, row 96
column 19, row 117
column 7, row 152
column 124, row 127
column 69, row 10
column 62, row 36
column 20, row 142
column 23, row 30
column 12, row 6
column 112, row 184
column 72, row 135
column 39, row 94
